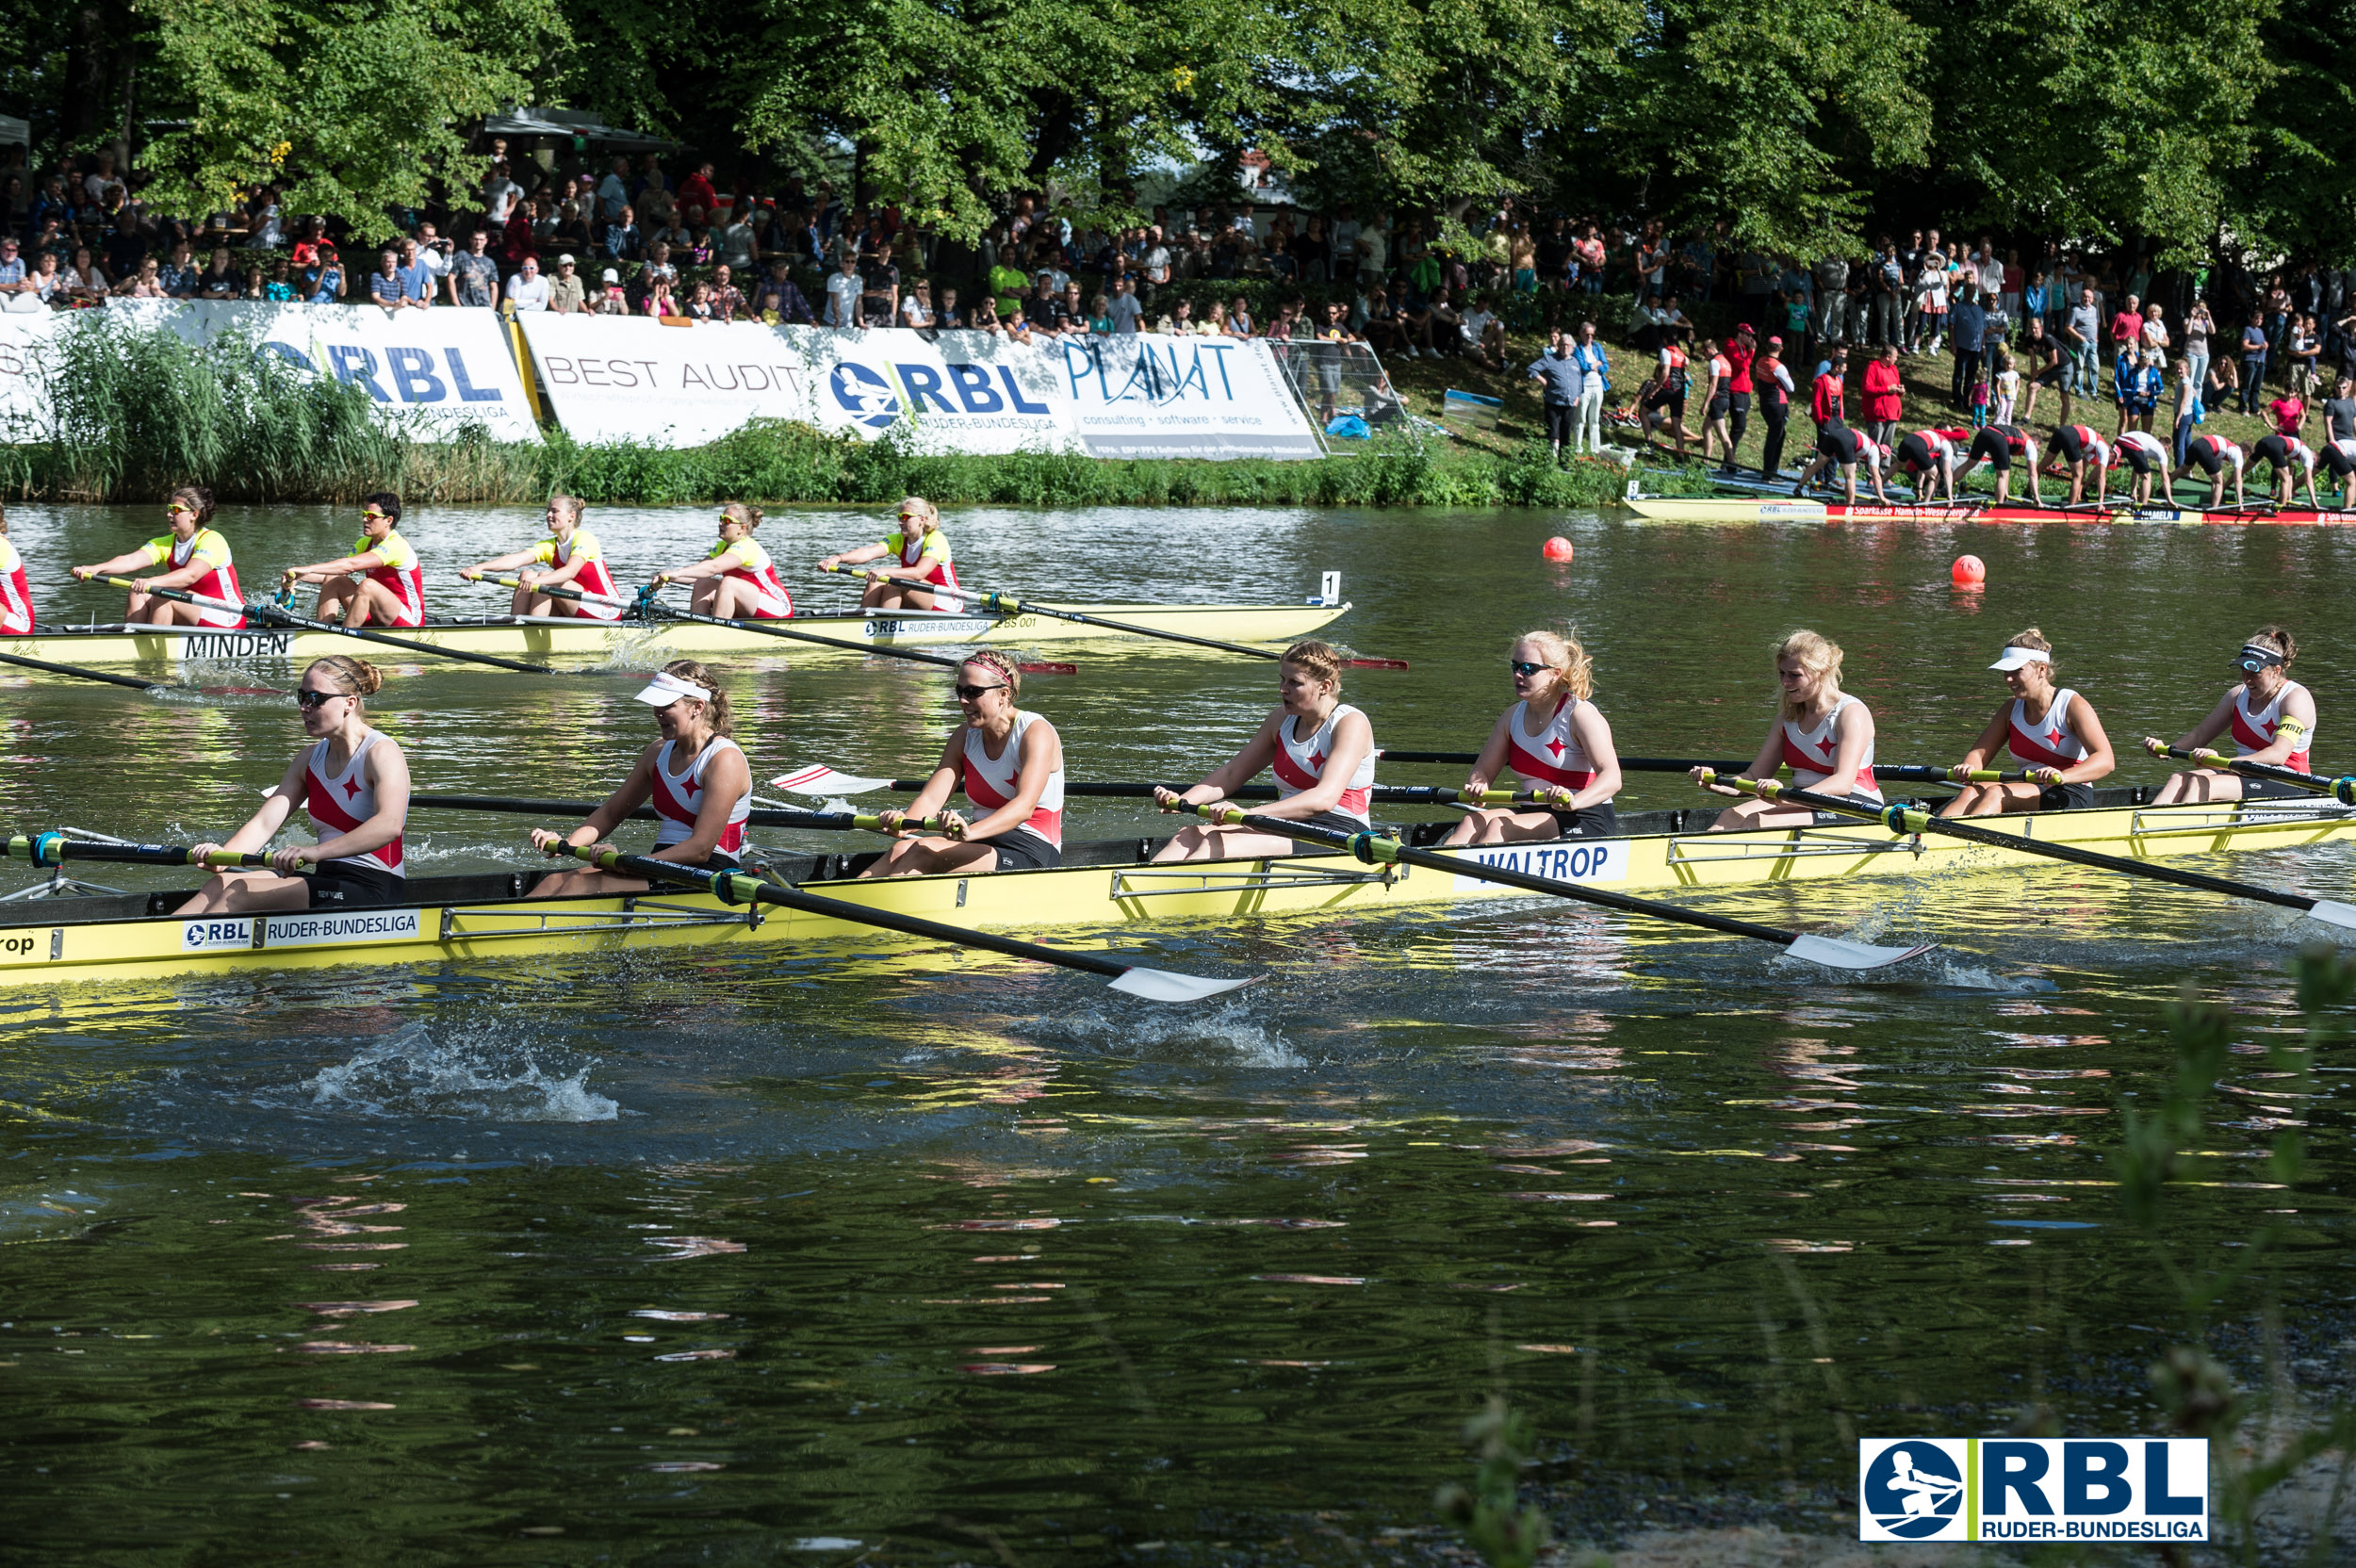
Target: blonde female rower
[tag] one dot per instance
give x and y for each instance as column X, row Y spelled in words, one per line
column 574, row 558
column 922, row 574
column 1320, row 749
column 353, row 781
column 194, row 557
column 1825, row 734
column 736, row 581
column 1009, row 763
column 1556, row 742
column 701, row 785
column 2051, row 729
column 2272, row 718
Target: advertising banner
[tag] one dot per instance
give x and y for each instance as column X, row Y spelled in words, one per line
column 23, row 339
column 677, row 385
column 440, row 370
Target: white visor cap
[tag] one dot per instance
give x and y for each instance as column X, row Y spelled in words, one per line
column 663, row 688
column 2014, row 659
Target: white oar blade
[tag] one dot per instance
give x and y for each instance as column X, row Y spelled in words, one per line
column 2332, row 912
column 820, row 779
column 1160, row 985
column 1835, row 952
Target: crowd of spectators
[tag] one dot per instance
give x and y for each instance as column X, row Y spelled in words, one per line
column 625, row 235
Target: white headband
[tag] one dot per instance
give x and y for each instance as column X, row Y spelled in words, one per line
column 663, row 688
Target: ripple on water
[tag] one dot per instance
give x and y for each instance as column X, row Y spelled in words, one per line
column 1228, row 1034
column 421, row 1071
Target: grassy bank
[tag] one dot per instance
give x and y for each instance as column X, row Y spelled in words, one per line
column 131, row 414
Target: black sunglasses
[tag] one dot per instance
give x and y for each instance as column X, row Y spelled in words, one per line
column 1520, row 668
column 307, row 697
column 973, row 693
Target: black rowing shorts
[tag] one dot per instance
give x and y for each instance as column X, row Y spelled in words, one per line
column 349, row 885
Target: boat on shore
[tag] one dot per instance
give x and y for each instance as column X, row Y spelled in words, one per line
column 1103, row 886
column 579, row 640
column 1772, row 501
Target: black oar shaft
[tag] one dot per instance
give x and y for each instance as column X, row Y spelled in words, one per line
column 75, row 671
column 50, row 849
column 1006, row 604
column 287, row 618
column 761, row 816
column 2342, row 788
column 765, row 629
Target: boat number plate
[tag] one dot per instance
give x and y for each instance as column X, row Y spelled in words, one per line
column 310, row 928
column 1603, row 861
column 234, row 645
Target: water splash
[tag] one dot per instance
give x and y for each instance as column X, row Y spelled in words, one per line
column 410, row 1073
column 1229, row 1033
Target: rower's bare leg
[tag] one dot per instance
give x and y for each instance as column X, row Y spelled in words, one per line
column 1221, row 844
column 1989, row 800
column 1762, row 813
column 155, row 612
column 2201, row 784
column 237, row 893
column 337, row 601
column 737, row 600
column 705, row 599
column 933, row 856
column 560, row 883
column 374, row 604
column 1502, row 827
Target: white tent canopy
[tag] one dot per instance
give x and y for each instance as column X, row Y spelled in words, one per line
column 516, row 123
column 15, row 131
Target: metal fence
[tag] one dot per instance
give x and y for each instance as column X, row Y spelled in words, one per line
column 1347, row 394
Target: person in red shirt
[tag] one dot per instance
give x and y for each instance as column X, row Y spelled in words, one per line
column 2289, row 414
column 1739, row 354
column 1826, row 404
column 1885, row 399
column 696, row 191
column 1718, row 402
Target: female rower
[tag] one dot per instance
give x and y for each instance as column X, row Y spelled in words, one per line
column 2289, row 461
column 16, row 597
column 2081, row 451
column 2053, row 730
column 197, row 560
column 2215, row 454
column 381, row 580
column 353, row 781
column 2146, row 454
column 1822, row 732
column 923, row 575
column 2339, row 458
column 577, row 561
column 1556, row 742
column 1320, row 749
column 701, row 785
column 737, row 581
column 1009, row 763
column 1997, row 446
column 1839, row 447
column 2272, row 719
column 1930, row 458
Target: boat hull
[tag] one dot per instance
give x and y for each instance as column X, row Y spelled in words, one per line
column 464, row 919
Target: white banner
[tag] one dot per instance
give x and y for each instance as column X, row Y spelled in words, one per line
column 23, row 340
column 442, row 369
column 677, row 385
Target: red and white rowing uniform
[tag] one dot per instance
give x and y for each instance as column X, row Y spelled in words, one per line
column 402, row 574
column 2254, row 731
column 340, row 802
column 1300, row 764
column 754, row 568
column 16, row 598
column 991, row 782
column 1810, row 754
column 2224, row 450
column 2298, row 452
column 913, row 549
column 1947, row 446
column 2090, row 444
column 593, row 577
column 2339, row 456
column 676, row 804
column 2050, row 743
column 2153, row 448
column 1554, row 755
column 220, row 582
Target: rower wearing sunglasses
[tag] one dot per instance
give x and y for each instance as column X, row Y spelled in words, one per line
column 381, row 582
column 571, row 557
column 195, row 559
column 923, row 575
column 1009, row 763
column 355, row 782
column 2272, row 719
column 696, row 775
column 737, row 581
column 1554, row 741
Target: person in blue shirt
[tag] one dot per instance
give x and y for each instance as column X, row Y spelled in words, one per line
column 325, row 280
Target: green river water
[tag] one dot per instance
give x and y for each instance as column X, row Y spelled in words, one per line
column 786, row 1258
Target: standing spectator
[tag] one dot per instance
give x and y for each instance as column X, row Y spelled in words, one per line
column 621, row 236
column 1124, row 312
column 948, row 317
column 430, row 250
column 1156, row 260
column 179, row 274
column 1826, row 404
column 728, row 301
column 1832, row 298
column 474, row 275
column 2188, row 404
column 844, row 289
column 2009, row 297
column 1774, row 386
column 1889, row 296
column 696, row 190
column 1885, row 395
column 327, row 278
column 2306, row 348
column 2079, row 334
column 613, row 300
column 1717, row 402
column 2127, row 326
column 2154, row 330
column 2254, row 362
column 1930, row 295
column 500, row 195
column 2198, row 327
column 1594, row 380
column 219, row 281
column 567, row 295
column 528, row 291
column 1739, row 352
column 659, row 302
column 384, row 287
column 1558, row 374
column 1969, row 321
column 879, row 288
column 916, row 308
column 2288, row 415
column 779, row 300
column 739, row 247
column 613, row 191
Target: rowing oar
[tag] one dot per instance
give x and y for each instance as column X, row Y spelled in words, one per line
column 269, row 611
column 53, row 849
column 77, row 672
column 1154, row 984
column 819, row 779
column 1901, row 773
column 647, row 604
column 1006, row 604
column 2342, row 788
column 1835, row 951
column 1903, row 819
column 759, row 817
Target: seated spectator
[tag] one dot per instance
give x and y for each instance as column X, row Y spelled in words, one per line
column 728, row 301
column 1015, row 329
column 1100, row 317
column 528, row 291
column 620, row 241
column 658, row 301
column 699, row 306
column 278, row 290
column 45, row 284
column 985, row 317
column 659, row 265
column 1411, row 325
column 1076, row 322
column 779, row 300
column 519, row 238
column 1239, row 317
column 1180, row 320
column 948, row 317
column 1484, row 335
column 613, row 300
column 916, row 308
column 1373, row 320
column 421, row 269
column 567, row 295
column 385, row 286
column 180, row 274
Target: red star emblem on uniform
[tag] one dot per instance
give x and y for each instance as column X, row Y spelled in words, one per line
column 689, row 788
column 352, row 787
column 1826, row 754
column 2052, row 736
column 1558, row 748
column 2271, row 725
column 1316, row 760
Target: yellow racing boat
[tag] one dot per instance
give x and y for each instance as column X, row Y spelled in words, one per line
column 1101, row 887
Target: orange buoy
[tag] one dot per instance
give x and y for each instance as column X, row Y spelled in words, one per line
column 1969, row 571
column 1557, row 548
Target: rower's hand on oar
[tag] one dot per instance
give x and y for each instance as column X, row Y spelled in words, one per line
column 472, row 574
column 1554, row 795
column 661, row 580
column 2157, row 746
column 85, row 573
column 2046, row 778
column 555, row 845
column 1168, row 799
column 199, row 854
column 953, row 825
column 1707, row 779
column 828, row 564
column 293, row 859
column 893, row 821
